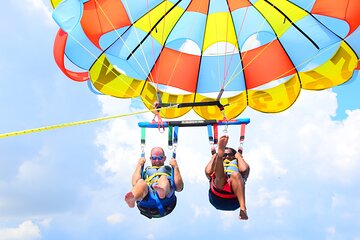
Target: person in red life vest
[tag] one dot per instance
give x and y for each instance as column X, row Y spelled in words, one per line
column 157, row 181
column 227, row 172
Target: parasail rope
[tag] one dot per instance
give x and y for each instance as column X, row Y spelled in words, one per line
column 71, row 124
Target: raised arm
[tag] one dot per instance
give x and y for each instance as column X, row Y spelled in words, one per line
column 210, row 167
column 137, row 173
column 179, row 184
column 243, row 166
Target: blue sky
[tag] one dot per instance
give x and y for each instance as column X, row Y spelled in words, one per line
column 69, row 183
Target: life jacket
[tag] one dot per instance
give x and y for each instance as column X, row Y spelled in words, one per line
column 230, row 166
column 152, row 206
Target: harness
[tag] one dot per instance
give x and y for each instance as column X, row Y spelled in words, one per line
column 152, row 206
column 230, row 166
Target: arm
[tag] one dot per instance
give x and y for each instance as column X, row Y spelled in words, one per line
column 243, row 166
column 137, row 173
column 210, row 167
column 179, row 184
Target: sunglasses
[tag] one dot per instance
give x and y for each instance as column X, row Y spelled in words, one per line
column 228, row 154
column 157, row 158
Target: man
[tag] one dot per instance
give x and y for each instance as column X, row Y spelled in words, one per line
column 227, row 172
column 156, row 179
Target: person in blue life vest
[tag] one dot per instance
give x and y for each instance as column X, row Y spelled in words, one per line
column 155, row 179
column 227, row 172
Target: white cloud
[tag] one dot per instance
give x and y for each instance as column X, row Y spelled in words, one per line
column 201, row 211
column 150, row 236
column 25, row 231
column 331, row 230
column 268, row 198
column 46, row 222
column 280, row 201
column 225, row 216
column 115, row 218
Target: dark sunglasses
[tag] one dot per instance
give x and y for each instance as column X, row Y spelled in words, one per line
column 228, row 154
column 157, row 157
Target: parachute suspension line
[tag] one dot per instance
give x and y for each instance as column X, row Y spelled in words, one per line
column 295, row 67
column 153, row 28
column 152, row 46
column 120, row 37
column 237, row 37
column 141, row 48
column 235, row 73
column 225, row 53
column 107, row 67
column 95, row 57
column 191, row 32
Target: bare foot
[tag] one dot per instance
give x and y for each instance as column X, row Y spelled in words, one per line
column 130, row 199
column 222, row 144
column 161, row 192
column 243, row 215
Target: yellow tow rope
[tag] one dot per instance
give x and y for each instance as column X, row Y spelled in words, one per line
column 63, row 125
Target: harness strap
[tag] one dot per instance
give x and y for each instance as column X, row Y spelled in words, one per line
column 242, row 137
column 150, row 178
column 211, row 139
column 170, row 137
column 158, row 202
column 143, row 141
column 175, row 140
column 216, row 133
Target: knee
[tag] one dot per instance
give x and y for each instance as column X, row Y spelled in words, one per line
column 236, row 176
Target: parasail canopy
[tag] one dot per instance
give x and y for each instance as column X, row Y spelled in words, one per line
column 256, row 53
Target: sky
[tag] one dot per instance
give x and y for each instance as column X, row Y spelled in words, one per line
column 70, row 183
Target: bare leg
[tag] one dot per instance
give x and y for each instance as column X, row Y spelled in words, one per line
column 138, row 192
column 162, row 187
column 238, row 188
column 220, row 178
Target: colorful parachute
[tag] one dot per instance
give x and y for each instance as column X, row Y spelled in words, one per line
column 259, row 52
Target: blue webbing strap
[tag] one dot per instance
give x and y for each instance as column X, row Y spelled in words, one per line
column 211, row 139
column 175, row 140
column 158, row 202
